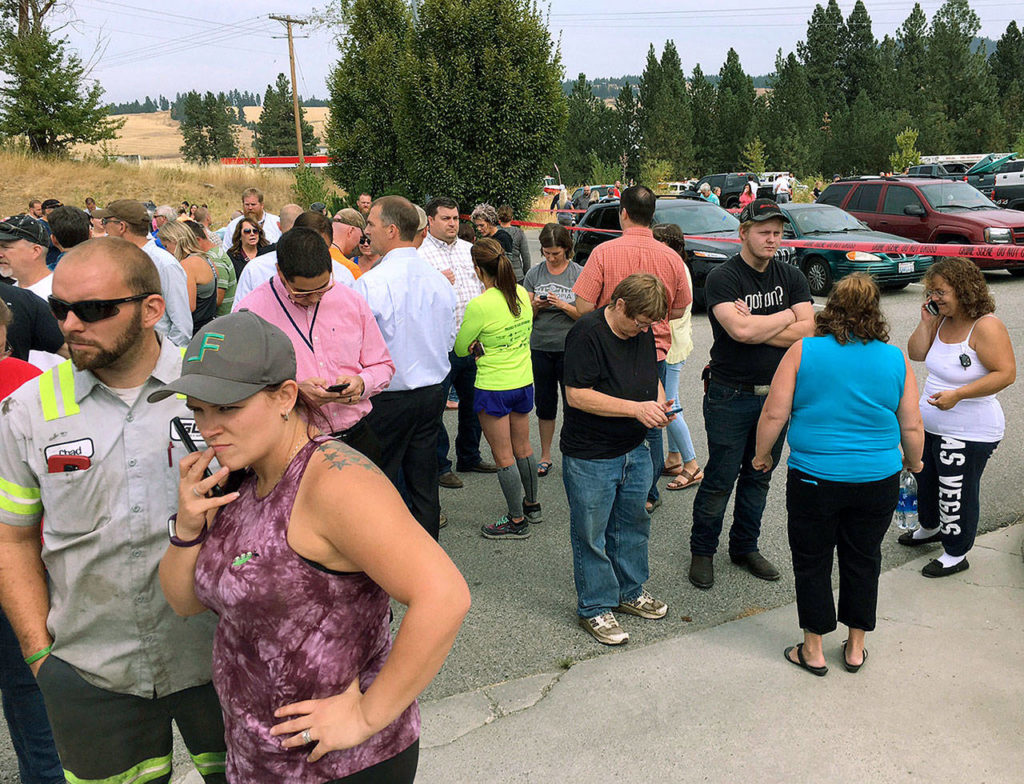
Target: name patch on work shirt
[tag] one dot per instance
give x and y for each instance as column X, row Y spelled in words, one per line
column 83, row 447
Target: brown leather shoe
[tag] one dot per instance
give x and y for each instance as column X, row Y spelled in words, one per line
column 450, row 480
column 702, row 571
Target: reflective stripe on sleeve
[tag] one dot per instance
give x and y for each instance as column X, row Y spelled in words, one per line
column 19, row 500
column 48, row 383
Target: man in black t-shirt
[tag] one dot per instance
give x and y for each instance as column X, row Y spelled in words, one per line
column 758, row 307
column 613, row 397
column 34, row 328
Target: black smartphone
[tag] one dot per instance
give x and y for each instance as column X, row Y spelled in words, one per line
column 190, row 445
column 476, row 349
column 931, row 307
column 338, row 387
column 674, row 411
column 543, row 296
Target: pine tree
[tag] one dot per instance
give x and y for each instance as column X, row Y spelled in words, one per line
column 859, row 58
column 578, row 141
column 734, row 106
column 43, row 97
column 702, row 104
column 206, row 128
column 220, row 131
column 275, row 130
column 1007, row 64
column 821, row 53
column 627, row 134
column 789, row 124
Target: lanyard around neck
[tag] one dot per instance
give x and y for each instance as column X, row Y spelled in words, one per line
column 307, row 340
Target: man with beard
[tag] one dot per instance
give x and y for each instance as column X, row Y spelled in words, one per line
column 80, row 446
column 252, row 208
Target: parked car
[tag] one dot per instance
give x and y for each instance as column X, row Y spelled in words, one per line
column 694, row 216
column 732, row 186
column 600, row 190
column 824, row 267
column 1009, row 188
column 982, row 175
column 943, row 171
column 931, row 211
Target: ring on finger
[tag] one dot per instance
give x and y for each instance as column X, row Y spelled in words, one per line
column 305, row 737
column 195, row 492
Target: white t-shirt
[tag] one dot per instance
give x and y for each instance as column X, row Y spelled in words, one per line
column 43, row 360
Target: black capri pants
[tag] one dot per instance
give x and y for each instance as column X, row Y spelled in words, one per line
column 548, row 378
column 849, row 518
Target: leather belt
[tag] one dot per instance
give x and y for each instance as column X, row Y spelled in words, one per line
column 761, row 390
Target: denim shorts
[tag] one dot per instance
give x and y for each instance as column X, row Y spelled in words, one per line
column 502, row 402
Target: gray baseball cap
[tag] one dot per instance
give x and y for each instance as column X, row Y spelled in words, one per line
column 232, row 358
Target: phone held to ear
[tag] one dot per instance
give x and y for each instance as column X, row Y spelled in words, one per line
column 931, row 307
column 190, row 445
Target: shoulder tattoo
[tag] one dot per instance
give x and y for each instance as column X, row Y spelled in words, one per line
column 338, row 456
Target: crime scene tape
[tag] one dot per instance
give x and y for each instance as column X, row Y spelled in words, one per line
column 994, row 252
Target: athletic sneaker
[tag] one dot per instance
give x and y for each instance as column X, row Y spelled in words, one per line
column 506, row 529
column 645, row 605
column 532, row 512
column 605, row 629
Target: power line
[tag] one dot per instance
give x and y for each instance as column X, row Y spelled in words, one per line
column 134, row 10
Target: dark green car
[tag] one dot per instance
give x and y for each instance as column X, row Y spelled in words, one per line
column 824, row 267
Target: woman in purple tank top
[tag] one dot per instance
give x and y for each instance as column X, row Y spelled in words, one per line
column 299, row 563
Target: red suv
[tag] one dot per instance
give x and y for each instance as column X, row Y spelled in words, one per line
column 931, row 210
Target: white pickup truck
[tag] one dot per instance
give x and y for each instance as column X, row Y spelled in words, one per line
column 1009, row 187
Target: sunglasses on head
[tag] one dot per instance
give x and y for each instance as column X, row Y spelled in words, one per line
column 90, row 310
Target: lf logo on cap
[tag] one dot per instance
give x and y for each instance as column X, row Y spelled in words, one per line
column 207, row 345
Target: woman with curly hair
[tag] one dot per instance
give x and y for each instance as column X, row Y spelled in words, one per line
column 969, row 357
column 851, row 402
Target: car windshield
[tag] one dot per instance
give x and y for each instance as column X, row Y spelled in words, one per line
column 696, row 217
column 823, row 218
column 954, row 196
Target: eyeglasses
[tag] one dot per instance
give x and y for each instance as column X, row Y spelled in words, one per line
column 250, row 231
column 112, row 220
column 940, row 293
column 91, row 310
column 6, row 352
column 364, row 240
column 293, row 294
column 643, row 326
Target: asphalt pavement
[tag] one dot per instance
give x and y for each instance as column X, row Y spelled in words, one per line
column 717, row 649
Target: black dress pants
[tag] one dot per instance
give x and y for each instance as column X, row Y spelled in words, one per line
column 406, row 424
column 850, row 519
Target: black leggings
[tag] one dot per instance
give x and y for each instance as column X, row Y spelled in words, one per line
column 548, row 375
column 400, row 769
column 948, row 489
column 850, row 519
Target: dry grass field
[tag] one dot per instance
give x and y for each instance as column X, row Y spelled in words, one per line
column 155, row 136
column 163, row 182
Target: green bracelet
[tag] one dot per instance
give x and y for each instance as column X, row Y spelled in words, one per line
column 39, row 655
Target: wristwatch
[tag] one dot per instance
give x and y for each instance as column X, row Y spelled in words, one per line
column 173, row 535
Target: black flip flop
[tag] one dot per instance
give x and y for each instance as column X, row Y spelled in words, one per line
column 543, row 467
column 802, row 664
column 853, row 667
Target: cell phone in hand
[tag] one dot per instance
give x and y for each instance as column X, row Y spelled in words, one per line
column 931, row 307
column 190, row 445
column 476, row 349
column 338, row 387
column 543, row 297
column 674, row 410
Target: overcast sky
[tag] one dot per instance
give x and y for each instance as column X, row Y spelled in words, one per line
column 222, row 44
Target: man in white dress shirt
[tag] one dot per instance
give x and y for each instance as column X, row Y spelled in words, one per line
column 414, row 306
column 129, row 219
column 252, row 208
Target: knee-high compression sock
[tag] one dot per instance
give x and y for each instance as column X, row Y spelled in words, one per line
column 512, row 489
column 528, row 473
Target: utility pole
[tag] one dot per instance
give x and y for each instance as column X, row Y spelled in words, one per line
column 289, row 21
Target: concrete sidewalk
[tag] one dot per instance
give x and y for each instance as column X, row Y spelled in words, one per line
column 941, row 698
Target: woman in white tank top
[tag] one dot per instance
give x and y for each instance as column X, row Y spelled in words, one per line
column 969, row 357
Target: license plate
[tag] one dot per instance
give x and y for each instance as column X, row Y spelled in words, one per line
column 906, row 267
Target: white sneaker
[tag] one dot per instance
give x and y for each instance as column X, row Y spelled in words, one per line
column 646, row 606
column 605, row 629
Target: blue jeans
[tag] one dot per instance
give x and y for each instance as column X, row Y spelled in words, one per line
column 26, row 714
column 730, row 418
column 467, row 437
column 654, row 443
column 679, row 439
column 608, row 527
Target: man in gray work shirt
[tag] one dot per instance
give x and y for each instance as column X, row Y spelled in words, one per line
column 80, row 447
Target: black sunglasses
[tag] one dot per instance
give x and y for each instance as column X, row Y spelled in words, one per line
column 364, row 240
column 90, row 310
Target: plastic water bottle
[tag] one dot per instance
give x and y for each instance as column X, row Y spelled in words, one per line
column 906, row 507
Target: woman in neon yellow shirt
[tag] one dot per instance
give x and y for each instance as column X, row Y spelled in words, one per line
column 496, row 330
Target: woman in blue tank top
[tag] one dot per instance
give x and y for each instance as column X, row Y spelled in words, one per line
column 851, row 402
